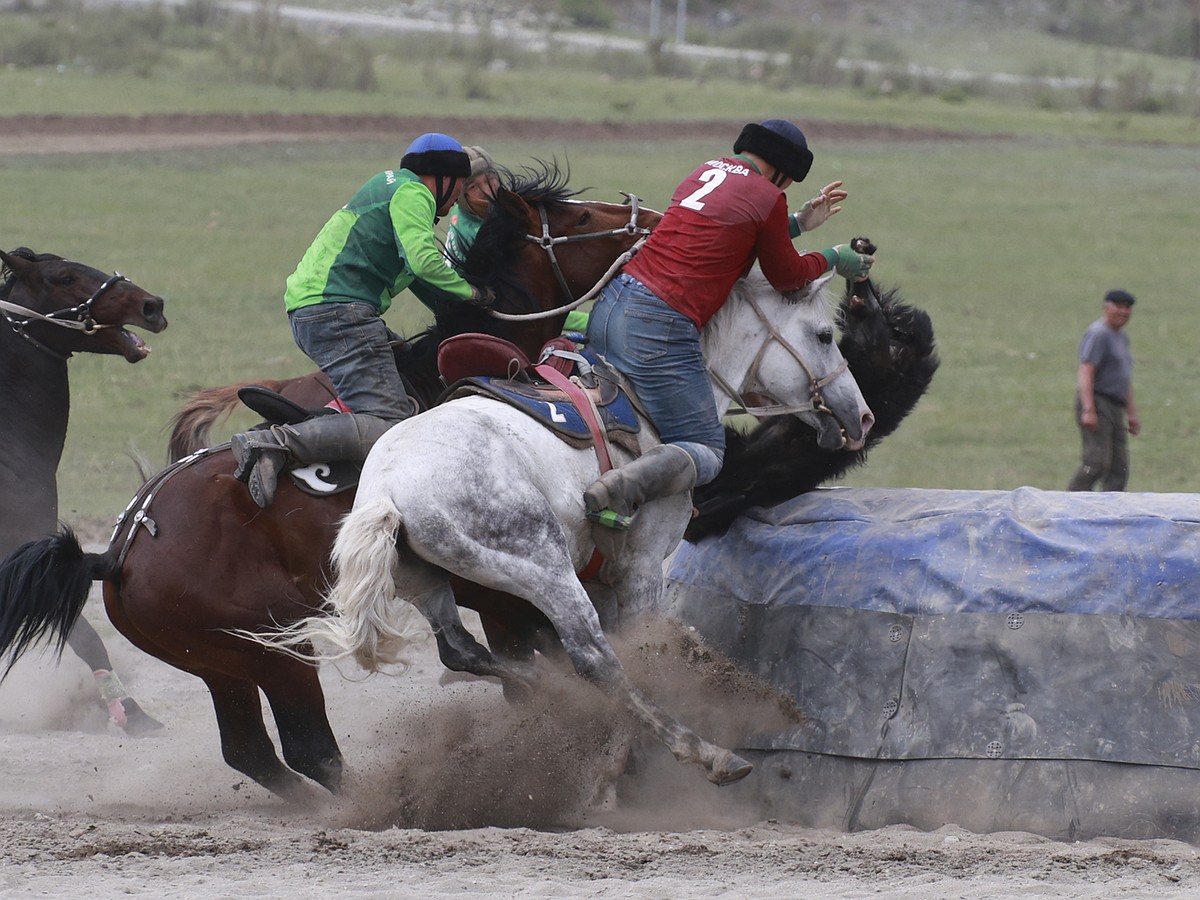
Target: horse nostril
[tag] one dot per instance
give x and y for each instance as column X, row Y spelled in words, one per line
column 152, row 309
column 868, row 422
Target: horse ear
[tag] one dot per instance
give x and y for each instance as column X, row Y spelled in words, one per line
column 515, row 206
column 13, row 263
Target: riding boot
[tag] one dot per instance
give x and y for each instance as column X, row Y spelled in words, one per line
column 263, row 453
column 659, row 472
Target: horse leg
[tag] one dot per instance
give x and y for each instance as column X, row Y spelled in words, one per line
column 458, row 649
column 245, row 744
column 293, row 689
column 122, row 708
column 593, row 657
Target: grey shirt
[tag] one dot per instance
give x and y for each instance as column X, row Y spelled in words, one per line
column 1109, row 352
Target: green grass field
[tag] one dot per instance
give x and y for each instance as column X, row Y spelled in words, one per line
column 1009, row 242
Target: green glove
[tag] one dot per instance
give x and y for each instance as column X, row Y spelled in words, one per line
column 850, row 265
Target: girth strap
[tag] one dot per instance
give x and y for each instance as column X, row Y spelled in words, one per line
column 587, row 409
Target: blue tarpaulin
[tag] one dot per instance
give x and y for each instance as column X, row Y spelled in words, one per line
column 999, row 660
column 924, row 552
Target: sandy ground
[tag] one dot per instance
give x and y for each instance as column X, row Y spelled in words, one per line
column 455, row 793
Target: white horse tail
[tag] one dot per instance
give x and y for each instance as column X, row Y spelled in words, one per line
column 366, row 619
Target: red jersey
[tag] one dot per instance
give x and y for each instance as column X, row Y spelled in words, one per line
column 721, row 218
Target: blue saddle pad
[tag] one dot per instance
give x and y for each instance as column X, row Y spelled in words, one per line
column 550, row 407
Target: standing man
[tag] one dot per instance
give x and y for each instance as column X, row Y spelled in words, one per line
column 1104, row 405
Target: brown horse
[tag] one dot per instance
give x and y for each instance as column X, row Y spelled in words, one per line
column 193, row 558
column 54, row 308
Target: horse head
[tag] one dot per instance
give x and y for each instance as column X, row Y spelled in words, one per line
column 776, row 355
column 65, row 307
column 542, row 249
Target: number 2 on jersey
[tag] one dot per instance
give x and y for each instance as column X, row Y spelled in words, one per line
column 713, row 179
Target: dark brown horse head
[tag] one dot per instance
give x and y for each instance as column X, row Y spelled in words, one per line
column 66, row 307
column 541, row 247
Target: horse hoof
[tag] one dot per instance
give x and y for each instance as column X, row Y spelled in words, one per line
column 139, row 723
column 729, row 767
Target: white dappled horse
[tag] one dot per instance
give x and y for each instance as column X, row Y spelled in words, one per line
column 478, row 489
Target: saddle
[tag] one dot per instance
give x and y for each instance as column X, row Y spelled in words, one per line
column 482, row 365
column 493, row 367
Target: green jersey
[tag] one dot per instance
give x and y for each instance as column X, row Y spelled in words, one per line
column 374, row 247
column 464, row 226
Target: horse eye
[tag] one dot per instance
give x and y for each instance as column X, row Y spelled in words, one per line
column 585, row 219
column 825, row 337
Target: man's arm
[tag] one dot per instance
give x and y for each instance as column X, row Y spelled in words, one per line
column 1135, row 423
column 1087, row 396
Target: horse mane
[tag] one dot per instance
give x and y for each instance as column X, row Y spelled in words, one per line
column 494, row 257
column 779, row 459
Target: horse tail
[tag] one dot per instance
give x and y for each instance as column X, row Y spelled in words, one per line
column 367, row 619
column 44, row 585
column 191, row 427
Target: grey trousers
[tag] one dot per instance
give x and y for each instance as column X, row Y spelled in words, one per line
column 1105, row 450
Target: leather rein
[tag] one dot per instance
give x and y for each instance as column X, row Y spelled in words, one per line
column 548, row 242
column 740, row 395
column 78, row 318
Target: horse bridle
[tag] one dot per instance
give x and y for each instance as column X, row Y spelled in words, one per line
column 739, row 396
column 548, row 242
column 78, row 318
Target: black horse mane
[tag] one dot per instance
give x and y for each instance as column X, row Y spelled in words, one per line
column 494, row 257
column 493, row 260
column 891, row 353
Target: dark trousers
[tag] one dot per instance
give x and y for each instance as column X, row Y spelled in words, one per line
column 1105, row 450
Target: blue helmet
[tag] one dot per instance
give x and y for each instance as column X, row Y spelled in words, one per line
column 437, row 154
column 780, row 143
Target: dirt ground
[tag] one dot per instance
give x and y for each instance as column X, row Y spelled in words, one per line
column 93, row 134
column 452, row 792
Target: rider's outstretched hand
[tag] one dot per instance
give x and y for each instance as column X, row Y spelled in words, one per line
column 817, row 211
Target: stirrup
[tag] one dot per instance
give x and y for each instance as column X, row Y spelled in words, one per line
column 263, row 479
column 609, row 518
column 247, row 452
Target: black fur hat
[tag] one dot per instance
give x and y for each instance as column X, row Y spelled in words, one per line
column 780, row 143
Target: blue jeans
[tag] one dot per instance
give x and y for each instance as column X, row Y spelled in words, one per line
column 658, row 350
column 350, row 344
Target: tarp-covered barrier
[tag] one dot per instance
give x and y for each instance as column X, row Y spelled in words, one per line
column 1023, row 660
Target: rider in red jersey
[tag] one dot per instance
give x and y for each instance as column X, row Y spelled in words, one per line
column 726, row 215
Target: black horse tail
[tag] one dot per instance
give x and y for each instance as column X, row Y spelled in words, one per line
column 44, row 585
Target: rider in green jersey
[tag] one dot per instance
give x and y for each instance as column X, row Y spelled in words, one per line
column 371, row 249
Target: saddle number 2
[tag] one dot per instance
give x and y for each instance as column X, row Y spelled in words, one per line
column 713, row 179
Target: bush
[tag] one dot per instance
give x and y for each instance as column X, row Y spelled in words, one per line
column 588, row 13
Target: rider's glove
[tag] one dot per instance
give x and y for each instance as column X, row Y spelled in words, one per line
column 848, row 264
column 483, row 296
